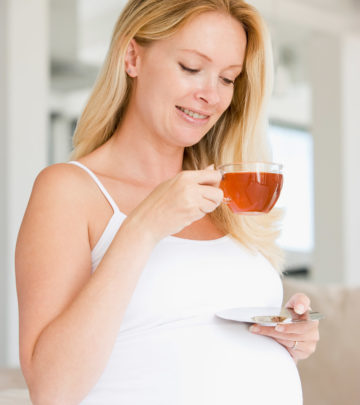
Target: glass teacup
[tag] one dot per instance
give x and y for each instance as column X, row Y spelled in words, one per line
column 251, row 188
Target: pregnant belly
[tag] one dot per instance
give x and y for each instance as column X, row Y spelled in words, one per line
column 199, row 361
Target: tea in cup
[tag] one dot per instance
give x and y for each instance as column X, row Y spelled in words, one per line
column 251, row 187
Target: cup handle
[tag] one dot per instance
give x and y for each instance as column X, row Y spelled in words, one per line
column 226, row 200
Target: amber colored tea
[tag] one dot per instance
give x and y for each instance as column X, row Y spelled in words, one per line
column 251, row 192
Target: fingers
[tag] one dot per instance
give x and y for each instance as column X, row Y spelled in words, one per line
column 207, row 206
column 179, row 201
column 292, row 344
column 299, row 350
column 272, row 332
column 300, row 338
column 213, row 194
column 208, row 196
column 287, row 331
column 208, row 176
column 297, row 327
column 299, row 302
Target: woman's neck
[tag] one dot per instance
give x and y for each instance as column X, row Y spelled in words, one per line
column 142, row 155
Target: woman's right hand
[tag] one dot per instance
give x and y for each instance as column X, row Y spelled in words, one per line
column 178, row 202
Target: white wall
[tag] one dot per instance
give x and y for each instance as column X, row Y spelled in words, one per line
column 336, row 122
column 23, row 123
column 3, row 186
column 351, row 151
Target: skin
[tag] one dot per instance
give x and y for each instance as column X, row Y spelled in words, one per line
column 208, row 88
column 61, row 303
column 161, row 131
column 306, row 333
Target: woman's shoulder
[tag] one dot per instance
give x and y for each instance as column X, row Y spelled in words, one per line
column 58, row 174
column 61, row 177
column 61, row 186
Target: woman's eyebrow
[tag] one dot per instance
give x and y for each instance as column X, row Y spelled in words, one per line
column 205, row 56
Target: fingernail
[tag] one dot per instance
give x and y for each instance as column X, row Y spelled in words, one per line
column 254, row 329
column 279, row 328
column 300, row 309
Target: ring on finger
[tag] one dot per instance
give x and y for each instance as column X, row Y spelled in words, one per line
column 295, row 345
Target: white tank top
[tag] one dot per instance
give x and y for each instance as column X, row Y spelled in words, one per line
column 171, row 349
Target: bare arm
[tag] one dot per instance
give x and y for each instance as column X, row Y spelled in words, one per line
column 69, row 318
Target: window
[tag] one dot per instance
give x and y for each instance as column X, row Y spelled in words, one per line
column 294, row 149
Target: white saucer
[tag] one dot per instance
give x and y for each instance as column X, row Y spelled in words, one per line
column 269, row 316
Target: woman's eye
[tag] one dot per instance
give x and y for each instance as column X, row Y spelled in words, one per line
column 187, row 69
column 227, row 81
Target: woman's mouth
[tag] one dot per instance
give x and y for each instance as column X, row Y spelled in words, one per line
column 192, row 116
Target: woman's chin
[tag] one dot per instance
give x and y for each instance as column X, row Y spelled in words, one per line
column 187, row 138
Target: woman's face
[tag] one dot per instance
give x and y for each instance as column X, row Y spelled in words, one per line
column 183, row 84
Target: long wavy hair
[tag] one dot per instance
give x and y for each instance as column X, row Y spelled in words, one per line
column 240, row 134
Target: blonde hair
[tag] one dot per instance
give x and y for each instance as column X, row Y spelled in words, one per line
column 239, row 134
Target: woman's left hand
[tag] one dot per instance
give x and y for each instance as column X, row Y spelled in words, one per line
column 299, row 338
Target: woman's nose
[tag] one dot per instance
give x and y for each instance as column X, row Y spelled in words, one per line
column 208, row 93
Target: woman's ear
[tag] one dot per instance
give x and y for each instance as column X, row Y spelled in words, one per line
column 132, row 59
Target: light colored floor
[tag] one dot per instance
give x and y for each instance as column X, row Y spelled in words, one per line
column 11, row 378
column 14, row 397
column 13, row 388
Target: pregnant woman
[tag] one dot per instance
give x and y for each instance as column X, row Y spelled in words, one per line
column 126, row 253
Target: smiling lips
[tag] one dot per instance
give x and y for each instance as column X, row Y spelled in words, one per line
column 193, row 114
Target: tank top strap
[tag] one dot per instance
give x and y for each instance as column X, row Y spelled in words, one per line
column 99, row 184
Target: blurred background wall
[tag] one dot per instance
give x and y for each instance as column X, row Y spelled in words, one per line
column 51, row 52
